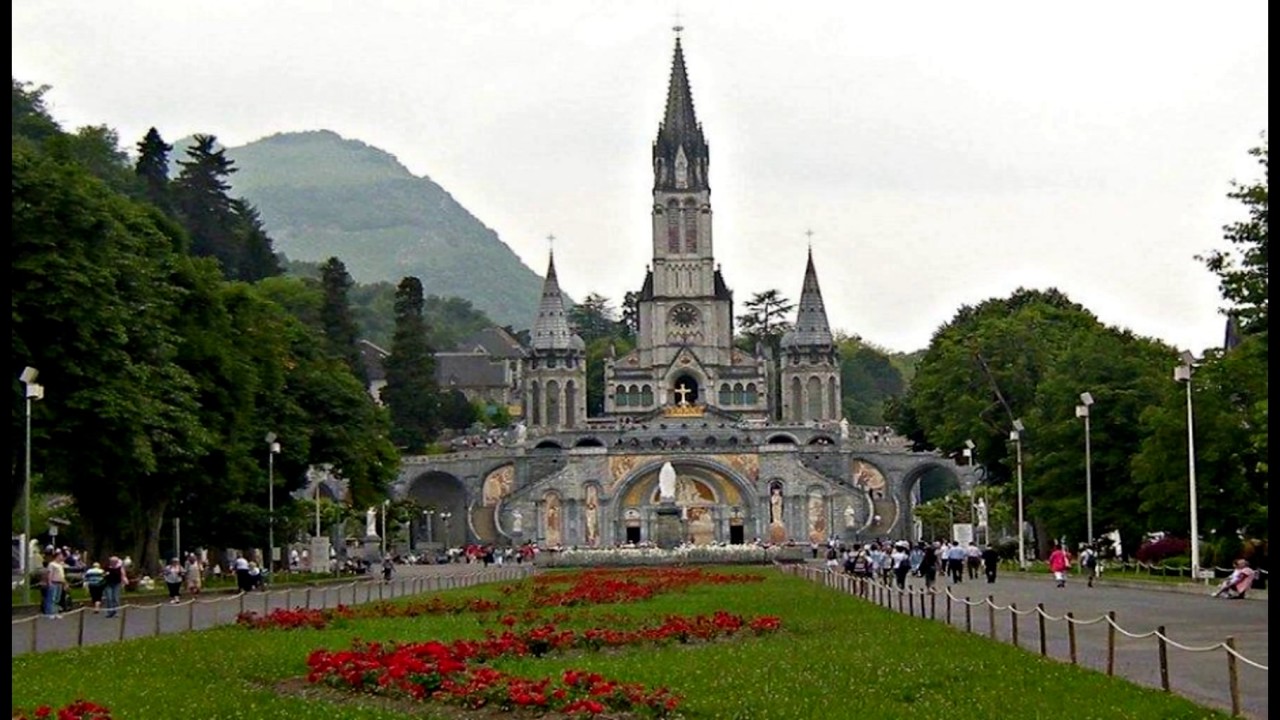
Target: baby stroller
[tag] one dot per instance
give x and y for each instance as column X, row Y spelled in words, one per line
column 1235, row 587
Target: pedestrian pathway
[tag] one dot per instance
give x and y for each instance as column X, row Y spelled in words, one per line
column 82, row 627
column 1192, row 621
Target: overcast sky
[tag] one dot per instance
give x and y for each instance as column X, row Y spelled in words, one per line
column 942, row 153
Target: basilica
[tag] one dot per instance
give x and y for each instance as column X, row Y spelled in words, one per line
column 750, row 464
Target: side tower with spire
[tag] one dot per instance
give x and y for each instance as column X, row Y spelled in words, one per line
column 555, row 370
column 810, row 361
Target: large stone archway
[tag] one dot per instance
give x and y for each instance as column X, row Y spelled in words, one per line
column 443, row 498
column 717, row 504
column 935, row 477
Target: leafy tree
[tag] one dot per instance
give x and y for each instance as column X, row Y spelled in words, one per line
column 594, row 318
column 868, row 378
column 336, row 318
column 1243, row 271
column 598, row 351
column 31, row 118
column 411, row 393
column 456, row 411
column 631, row 313
column 766, row 319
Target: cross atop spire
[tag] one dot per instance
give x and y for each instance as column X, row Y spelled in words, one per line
column 809, row 234
column 551, row 243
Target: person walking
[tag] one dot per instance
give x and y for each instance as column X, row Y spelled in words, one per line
column 1089, row 563
column 241, row 567
column 973, row 559
column 115, row 578
column 94, row 579
column 1059, row 563
column 901, row 566
column 929, row 567
column 957, row 555
column 194, row 572
column 990, row 562
column 173, row 580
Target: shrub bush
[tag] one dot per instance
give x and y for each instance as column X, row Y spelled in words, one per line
column 1157, row 552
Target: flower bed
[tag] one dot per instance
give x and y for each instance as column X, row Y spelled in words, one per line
column 459, row 673
column 78, row 710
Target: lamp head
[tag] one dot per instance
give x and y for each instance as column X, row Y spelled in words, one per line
column 969, row 444
column 35, row 391
column 1082, row 411
column 1086, row 398
column 271, row 437
column 29, row 375
column 1187, row 358
column 1017, row 425
column 1015, row 434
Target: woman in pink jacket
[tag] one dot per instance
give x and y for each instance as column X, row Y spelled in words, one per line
column 1059, row 563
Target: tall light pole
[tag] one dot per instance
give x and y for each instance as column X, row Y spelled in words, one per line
column 1182, row 373
column 445, row 517
column 384, row 528
column 1082, row 411
column 34, row 391
column 273, row 447
column 1016, row 436
column 428, row 514
column 971, row 452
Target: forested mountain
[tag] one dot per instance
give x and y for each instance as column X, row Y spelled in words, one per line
column 321, row 196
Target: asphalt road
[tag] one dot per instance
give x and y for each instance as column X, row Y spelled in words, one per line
column 1195, row 620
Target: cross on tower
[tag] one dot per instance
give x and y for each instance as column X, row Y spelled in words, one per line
column 809, row 234
column 551, row 242
column 678, row 28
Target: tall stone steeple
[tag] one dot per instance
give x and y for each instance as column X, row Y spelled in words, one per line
column 811, row 328
column 555, row 371
column 551, row 328
column 680, row 153
column 810, row 364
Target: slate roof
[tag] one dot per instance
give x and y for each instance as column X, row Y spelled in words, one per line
column 811, row 328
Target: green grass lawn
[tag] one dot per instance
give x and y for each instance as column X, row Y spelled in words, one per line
column 836, row 657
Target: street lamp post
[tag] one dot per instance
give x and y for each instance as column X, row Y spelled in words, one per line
column 1082, row 411
column 445, row 517
column 1016, row 436
column 273, row 448
column 34, row 391
column 971, row 452
column 1182, row 373
column 384, row 527
column 428, row 514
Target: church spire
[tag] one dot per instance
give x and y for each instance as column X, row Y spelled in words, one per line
column 811, row 328
column 551, row 329
column 680, row 153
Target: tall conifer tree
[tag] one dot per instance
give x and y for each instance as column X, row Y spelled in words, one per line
column 153, row 168
column 336, row 317
column 411, row 393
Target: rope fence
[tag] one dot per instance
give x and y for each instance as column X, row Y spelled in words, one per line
column 923, row 603
column 1161, row 569
column 83, row 627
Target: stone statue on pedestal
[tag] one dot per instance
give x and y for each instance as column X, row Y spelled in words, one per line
column 848, row 516
column 517, row 522
column 371, row 522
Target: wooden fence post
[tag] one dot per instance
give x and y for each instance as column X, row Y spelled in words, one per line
column 1111, row 642
column 1163, row 647
column 157, row 626
column 948, row 608
column 933, row 606
column 1071, row 637
column 1233, row 676
column 991, row 615
column 968, row 615
column 1044, row 648
column 911, row 604
column 80, row 632
column 124, row 609
column 900, row 600
column 1013, row 622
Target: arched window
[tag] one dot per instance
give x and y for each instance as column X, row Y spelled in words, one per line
column 673, row 227
column 752, row 396
column 633, row 396
column 726, row 396
column 535, row 403
column 797, row 401
column 620, row 396
column 833, row 400
column 646, row 396
column 553, row 403
column 815, row 398
column 739, row 395
column 570, row 404
column 690, row 227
